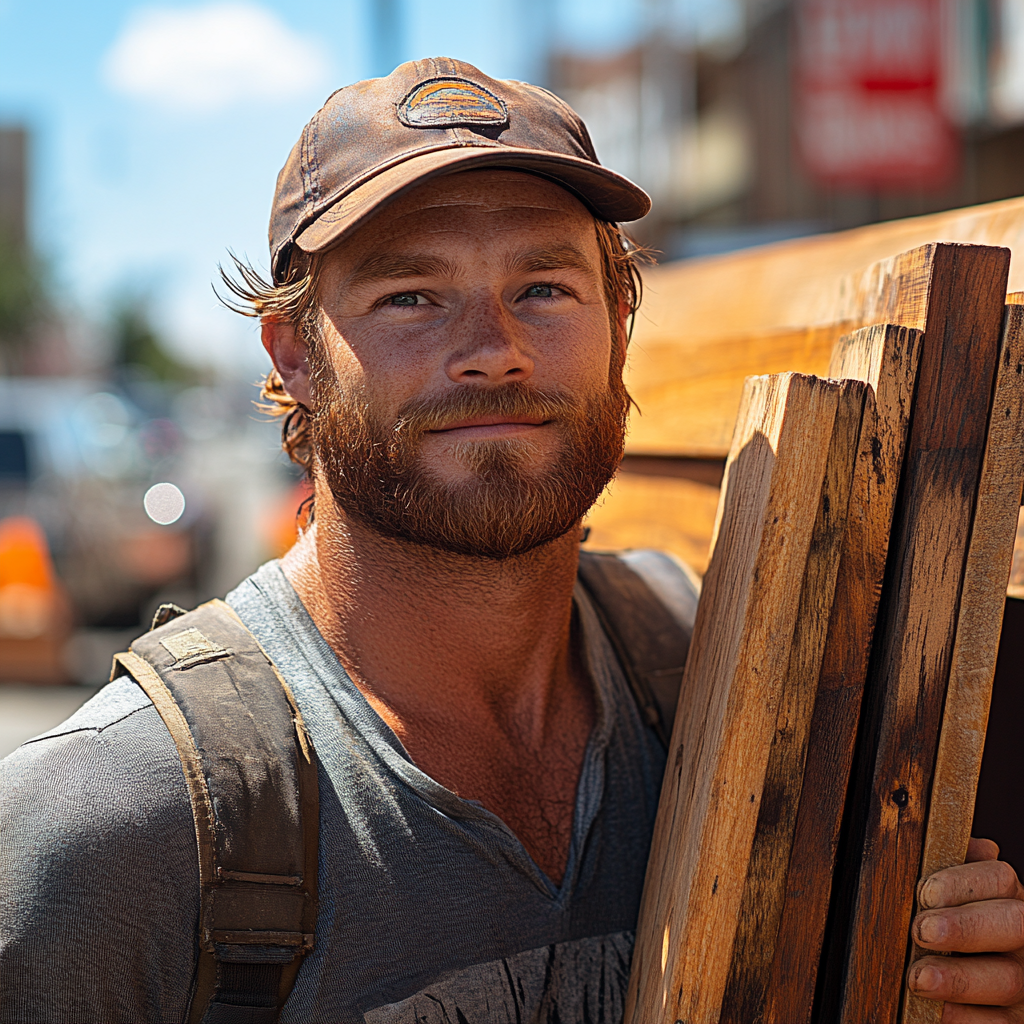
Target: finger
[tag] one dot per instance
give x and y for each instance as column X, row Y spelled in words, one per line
column 991, row 926
column 989, row 980
column 958, row 1013
column 966, row 883
column 981, row 849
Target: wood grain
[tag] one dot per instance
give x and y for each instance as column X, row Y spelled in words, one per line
column 765, row 889
column 916, row 630
column 724, row 317
column 884, row 357
column 982, row 602
column 729, row 703
column 688, row 396
column 671, row 513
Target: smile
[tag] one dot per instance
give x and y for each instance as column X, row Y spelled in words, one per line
column 492, row 426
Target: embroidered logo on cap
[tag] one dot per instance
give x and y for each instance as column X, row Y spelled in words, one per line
column 452, row 103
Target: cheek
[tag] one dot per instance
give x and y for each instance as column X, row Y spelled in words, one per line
column 384, row 368
column 580, row 351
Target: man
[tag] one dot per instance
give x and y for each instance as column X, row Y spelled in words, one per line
column 447, row 321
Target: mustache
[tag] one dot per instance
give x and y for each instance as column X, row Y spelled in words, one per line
column 420, row 415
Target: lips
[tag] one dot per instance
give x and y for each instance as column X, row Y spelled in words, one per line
column 491, row 421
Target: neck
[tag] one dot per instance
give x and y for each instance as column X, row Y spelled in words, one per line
column 430, row 636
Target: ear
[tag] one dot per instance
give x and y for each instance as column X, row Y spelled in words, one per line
column 290, row 357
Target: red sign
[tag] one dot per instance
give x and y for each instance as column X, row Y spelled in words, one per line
column 867, row 93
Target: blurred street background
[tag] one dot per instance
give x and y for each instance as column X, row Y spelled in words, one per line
column 139, row 145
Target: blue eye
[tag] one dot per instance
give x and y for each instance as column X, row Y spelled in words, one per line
column 405, row 299
column 538, row 291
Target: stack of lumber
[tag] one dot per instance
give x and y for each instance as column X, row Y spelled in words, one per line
column 707, row 324
column 832, row 715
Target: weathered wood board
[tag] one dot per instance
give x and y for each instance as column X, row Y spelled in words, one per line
column 722, row 318
column 973, row 665
column 656, row 510
column 956, row 293
column 765, row 888
column 788, row 946
column 745, row 646
column 687, row 396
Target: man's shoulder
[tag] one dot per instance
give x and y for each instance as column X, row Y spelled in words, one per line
column 112, row 760
column 112, row 704
column 98, row 855
column 673, row 582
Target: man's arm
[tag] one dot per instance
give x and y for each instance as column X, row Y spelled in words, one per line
column 99, row 905
column 976, row 908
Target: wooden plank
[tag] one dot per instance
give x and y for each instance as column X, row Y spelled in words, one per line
column 724, row 317
column 729, row 702
column 646, row 511
column 790, row 284
column 969, row 693
column 765, row 888
column 688, row 396
column 911, row 657
column 794, row 905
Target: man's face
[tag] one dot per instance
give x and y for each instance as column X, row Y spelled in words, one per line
column 466, row 392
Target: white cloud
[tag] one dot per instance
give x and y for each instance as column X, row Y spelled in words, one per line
column 207, row 58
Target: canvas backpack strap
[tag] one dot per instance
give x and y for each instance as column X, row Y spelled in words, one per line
column 633, row 597
column 251, row 774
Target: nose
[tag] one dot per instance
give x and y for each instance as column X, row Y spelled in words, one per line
column 494, row 349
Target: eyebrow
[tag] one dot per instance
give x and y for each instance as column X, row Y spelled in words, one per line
column 391, row 266
column 388, row 266
column 565, row 256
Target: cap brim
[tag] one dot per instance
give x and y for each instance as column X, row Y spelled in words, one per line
column 608, row 195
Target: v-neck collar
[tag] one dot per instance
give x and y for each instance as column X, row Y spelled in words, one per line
column 329, row 674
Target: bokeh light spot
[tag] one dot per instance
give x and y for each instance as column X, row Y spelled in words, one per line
column 164, row 503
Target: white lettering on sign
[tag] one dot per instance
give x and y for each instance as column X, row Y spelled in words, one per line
column 867, row 105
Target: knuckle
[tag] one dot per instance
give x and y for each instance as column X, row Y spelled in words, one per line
column 1016, row 985
column 1016, row 923
column 960, row 984
column 1004, row 876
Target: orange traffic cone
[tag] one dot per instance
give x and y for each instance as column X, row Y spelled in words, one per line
column 33, row 607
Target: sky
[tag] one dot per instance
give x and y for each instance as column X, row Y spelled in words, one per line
column 159, row 128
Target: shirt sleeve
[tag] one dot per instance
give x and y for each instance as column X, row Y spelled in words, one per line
column 99, row 904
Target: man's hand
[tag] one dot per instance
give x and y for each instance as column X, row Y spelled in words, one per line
column 976, row 908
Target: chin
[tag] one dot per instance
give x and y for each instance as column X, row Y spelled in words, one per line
column 463, row 461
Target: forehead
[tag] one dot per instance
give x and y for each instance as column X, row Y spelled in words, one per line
column 483, row 209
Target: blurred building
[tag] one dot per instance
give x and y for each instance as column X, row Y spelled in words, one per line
column 817, row 114
column 83, row 563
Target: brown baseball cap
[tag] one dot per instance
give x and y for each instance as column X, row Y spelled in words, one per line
column 374, row 140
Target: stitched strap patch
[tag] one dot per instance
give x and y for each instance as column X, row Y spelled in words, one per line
column 190, row 647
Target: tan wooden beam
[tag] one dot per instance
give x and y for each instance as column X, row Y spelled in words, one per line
column 707, row 324
column 746, row 651
column 969, row 693
column 958, row 293
column 885, row 358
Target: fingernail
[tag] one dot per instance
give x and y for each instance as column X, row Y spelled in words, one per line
column 932, row 929
column 926, row 897
column 927, row 979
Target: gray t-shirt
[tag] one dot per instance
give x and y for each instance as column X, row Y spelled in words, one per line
column 431, row 910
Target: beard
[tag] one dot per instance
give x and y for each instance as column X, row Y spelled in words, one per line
column 506, row 503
